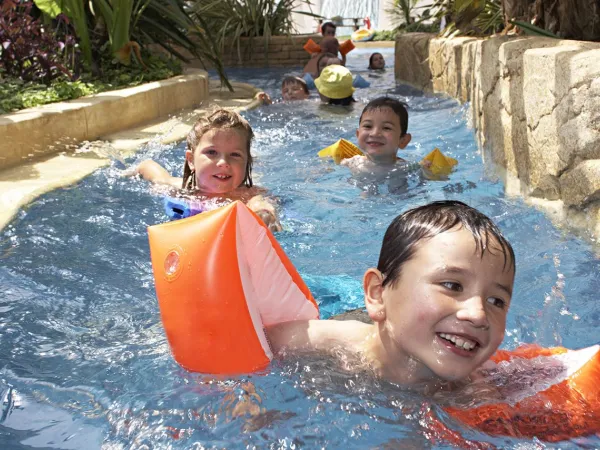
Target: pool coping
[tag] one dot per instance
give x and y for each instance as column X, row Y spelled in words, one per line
column 22, row 184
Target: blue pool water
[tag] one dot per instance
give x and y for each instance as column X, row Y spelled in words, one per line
column 84, row 362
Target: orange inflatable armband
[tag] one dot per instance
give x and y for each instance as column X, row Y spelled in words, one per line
column 568, row 408
column 312, row 47
column 342, row 149
column 346, row 47
column 220, row 277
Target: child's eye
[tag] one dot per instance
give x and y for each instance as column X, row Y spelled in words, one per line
column 210, row 152
column 236, row 155
column 457, row 287
column 497, row 302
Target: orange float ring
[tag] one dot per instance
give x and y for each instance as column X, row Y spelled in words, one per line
column 220, row 277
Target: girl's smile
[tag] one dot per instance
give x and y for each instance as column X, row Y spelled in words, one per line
column 219, row 161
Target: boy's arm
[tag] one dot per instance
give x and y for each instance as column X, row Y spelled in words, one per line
column 155, row 173
column 309, row 335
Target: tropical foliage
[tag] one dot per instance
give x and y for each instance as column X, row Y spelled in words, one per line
column 230, row 20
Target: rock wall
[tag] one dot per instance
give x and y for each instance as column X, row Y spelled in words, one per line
column 535, row 105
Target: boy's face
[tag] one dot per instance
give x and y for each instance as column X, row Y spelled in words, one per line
column 447, row 311
column 379, row 132
column 220, row 161
column 293, row 91
column 329, row 31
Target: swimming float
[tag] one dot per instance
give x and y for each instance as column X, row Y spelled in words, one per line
column 220, row 278
column 362, row 35
column 566, row 406
column 341, row 149
column 312, row 47
column 438, row 164
column 180, row 208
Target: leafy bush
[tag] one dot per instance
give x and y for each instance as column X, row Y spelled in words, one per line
column 385, row 35
column 16, row 94
column 230, row 20
column 28, row 50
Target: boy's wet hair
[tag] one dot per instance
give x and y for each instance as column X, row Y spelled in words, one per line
column 328, row 25
column 409, row 229
column 330, row 44
column 399, row 108
column 371, row 59
column 295, row 80
column 218, row 119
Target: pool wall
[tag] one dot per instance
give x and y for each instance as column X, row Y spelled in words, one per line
column 535, row 105
column 56, row 127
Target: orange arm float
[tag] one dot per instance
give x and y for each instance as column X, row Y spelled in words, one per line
column 312, row 47
column 347, row 47
column 220, row 277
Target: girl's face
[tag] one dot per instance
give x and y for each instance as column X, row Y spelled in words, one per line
column 446, row 314
column 377, row 61
column 220, row 161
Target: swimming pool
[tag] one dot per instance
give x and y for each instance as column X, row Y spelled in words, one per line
column 84, row 360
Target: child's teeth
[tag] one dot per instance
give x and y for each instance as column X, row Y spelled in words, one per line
column 459, row 342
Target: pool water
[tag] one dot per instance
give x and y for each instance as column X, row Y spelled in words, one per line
column 84, row 362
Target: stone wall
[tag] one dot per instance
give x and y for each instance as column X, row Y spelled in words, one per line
column 282, row 51
column 38, row 132
column 535, row 105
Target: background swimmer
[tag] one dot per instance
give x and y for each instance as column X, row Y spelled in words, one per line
column 294, row 88
column 218, row 164
column 438, row 300
column 335, row 86
column 376, row 61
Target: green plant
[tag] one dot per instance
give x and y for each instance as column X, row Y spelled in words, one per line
column 124, row 25
column 230, row 20
column 532, row 30
column 29, row 51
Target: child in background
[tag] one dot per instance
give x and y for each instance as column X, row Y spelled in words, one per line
column 438, row 300
column 376, row 61
column 218, row 165
column 381, row 132
column 294, row 88
column 330, row 47
column 335, row 86
column 328, row 29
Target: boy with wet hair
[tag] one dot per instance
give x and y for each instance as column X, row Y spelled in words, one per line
column 294, row 88
column 382, row 130
column 438, row 301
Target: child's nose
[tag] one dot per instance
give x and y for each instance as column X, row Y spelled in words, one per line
column 473, row 310
column 222, row 161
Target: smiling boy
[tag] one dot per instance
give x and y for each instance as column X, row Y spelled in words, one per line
column 438, row 300
column 381, row 132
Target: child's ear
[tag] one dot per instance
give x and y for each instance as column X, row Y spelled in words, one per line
column 189, row 157
column 404, row 140
column 357, row 133
column 373, row 287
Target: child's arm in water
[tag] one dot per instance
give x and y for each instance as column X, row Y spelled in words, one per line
column 265, row 209
column 316, row 336
column 155, row 173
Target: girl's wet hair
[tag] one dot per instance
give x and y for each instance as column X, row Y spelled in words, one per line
column 406, row 231
column 399, row 108
column 218, row 119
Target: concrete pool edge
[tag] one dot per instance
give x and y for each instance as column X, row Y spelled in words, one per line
column 22, row 184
